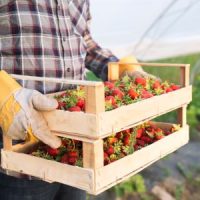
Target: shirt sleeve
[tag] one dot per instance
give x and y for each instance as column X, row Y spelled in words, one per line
column 97, row 58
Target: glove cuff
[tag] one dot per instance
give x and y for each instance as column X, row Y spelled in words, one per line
column 7, row 86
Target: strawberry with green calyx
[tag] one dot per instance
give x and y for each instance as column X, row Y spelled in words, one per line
column 118, row 93
column 110, row 150
column 167, row 90
column 127, row 150
column 73, row 154
column 119, row 135
column 147, row 140
column 139, row 132
column 175, row 87
column 127, row 140
column 140, row 81
column 72, row 160
column 81, row 103
column 112, row 140
column 74, row 109
column 133, row 94
column 52, row 152
column 64, row 159
column 109, row 85
column 141, row 143
column 146, row 94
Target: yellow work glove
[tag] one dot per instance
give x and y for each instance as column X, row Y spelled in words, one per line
column 131, row 69
column 19, row 112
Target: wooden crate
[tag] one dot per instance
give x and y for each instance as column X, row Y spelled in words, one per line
column 94, row 177
column 96, row 123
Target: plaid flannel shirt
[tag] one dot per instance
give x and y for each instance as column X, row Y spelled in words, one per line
column 49, row 38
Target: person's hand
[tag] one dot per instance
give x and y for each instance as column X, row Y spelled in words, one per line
column 133, row 70
column 19, row 112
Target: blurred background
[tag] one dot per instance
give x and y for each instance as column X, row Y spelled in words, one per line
column 157, row 31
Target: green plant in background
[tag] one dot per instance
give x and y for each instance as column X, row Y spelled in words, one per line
column 134, row 184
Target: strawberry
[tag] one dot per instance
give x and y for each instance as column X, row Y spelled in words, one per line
column 111, row 99
column 146, row 94
column 72, row 160
column 52, row 152
column 126, row 140
column 110, row 150
column 73, row 154
column 139, row 132
column 146, row 139
column 61, row 105
column 119, row 135
column 174, row 87
column 105, row 155
column 140, row 81
column 109, row 85
column 156, row 85
column 168, row 90
column 141, row 143
column 133, row 94
column 64, row 94
column 117, row 92
column 64, row 159
column 113, row 158
column 112, row 140
column 74, row 109
column 80, row 103
column 136, row 147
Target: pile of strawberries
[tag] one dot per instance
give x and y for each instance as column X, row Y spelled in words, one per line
column 70, row 152
column 126, row 142
column 129, row 90
column 115, row 146
column 122, row 92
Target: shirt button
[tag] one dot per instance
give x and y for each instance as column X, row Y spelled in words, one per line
column 68, row 69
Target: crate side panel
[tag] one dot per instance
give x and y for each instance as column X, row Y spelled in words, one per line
column 130, row 115
column 114, row 173
column 48, row 170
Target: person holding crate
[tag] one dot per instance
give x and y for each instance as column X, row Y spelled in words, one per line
column 44, row 38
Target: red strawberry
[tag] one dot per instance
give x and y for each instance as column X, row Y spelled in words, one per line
column 73, row 154
column 81, row 103
column 61, row 105
column 156, row 85
column 117, row 92
column 110, row 150
column 146, row 94
column 64, row 159
column 109, row 85
column 168, row 90
column 139, row 133
column 133, row 94
column 52, row 152
column 74, row 109
column 111, row 99
column 136, row 147
column 140, row 81
column 105, row 155
column 146, row 139
column 72, row 160
column 119, row 135
column 175, row 87
column 64, row 94
column 141, row 143
column 126, row 140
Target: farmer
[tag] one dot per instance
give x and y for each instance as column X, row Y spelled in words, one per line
column 45, row 38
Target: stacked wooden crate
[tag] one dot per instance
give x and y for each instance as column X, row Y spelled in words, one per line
column 92, row 126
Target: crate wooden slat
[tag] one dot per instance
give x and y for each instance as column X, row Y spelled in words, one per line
column 98, row 179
